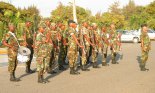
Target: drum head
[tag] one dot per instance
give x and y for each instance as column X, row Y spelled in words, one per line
column 22, row 59
column 24, row 51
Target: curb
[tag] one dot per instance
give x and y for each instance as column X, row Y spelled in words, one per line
column 3, row 51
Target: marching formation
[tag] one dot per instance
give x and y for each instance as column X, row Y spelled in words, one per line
column 54, row 42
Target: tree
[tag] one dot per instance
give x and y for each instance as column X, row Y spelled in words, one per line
column 129, row 9
column 114, row 8
column 64, row 13
column 151, row 9
column 114, row 15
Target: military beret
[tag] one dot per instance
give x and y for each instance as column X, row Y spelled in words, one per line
column 71, row 21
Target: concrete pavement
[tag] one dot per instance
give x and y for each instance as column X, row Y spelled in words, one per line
column 124, row 77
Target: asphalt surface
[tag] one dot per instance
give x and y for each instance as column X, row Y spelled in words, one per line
column 124, row 77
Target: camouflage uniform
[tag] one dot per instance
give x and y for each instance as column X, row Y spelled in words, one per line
column 63, row 50
column 12, row 54
column 72, row 51
column 42, row 58
column 54, row 51
column 146, row 45
column 29, row 40
column 49, row 47
column 114, row 45
column 94, row 39
column 84, row 53
column 104, row 49
column 65, row 41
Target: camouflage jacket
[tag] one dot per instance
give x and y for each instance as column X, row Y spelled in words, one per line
column 71, row 41
column 145, row 40
column 11, row 41
column 41, row 45
column 113, row 38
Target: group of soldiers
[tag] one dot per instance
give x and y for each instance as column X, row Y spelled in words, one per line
column 54, row 42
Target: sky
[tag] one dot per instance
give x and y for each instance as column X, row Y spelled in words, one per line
column 46, row 6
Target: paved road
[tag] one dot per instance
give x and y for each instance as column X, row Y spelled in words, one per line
column 122, row 78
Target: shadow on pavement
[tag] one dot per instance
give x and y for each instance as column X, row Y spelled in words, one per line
column 58, row 72
column 26, row 74
column 139, row 60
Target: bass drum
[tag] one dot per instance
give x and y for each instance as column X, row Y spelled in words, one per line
column 22, row 58
column 23, row 54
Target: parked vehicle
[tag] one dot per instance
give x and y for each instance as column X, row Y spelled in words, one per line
column 129, row 36
column 151, row 33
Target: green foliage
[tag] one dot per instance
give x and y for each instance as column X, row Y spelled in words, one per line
column 64, row 13
column 10, row 14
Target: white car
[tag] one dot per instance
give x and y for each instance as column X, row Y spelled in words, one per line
column 151, row 33
column 129, row 36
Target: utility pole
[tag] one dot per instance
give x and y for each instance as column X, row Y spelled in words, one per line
column 74, row 14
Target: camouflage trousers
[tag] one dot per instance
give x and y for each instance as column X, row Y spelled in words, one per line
column 83, row 57
column 114, row 51
column 72, row 56
column 31, row 57
column 53, row 58
column 12, row 58
column 62, row 55
column 104, row 51
column 144, row 57
column 42, row 60
column 94, row 55
column 88, row 52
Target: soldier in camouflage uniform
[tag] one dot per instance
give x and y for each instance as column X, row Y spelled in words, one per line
column 65, row 45
column 48, row 35
column 54, row 50
column 90, row 28
column 84, row 37
column 62, row 47
column 104, row 49
column 95, row 49
column 28, row 38
column 114, row 40
column 73, row 47
column 42, row 57
column 145, row 46
column 9, row 41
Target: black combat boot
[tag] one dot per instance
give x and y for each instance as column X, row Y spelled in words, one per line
column 61, row 67
column 44, row 80
column 142, row 67
column 13, row 78
column 104, row 64
column 95, row 65
column 73, row 72
column 17, row 79
column 40, row 80
column 28, row 70
column 113, row 61
column 83, row 68
column 49, row 71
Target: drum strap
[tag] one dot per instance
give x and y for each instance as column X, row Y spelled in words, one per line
column 15, row 38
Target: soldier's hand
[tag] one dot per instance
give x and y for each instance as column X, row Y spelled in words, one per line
column 93, row 45
column 10, row 46
column 33, row 46
column 144, row 49
column 25, row 44
column 81, row 46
